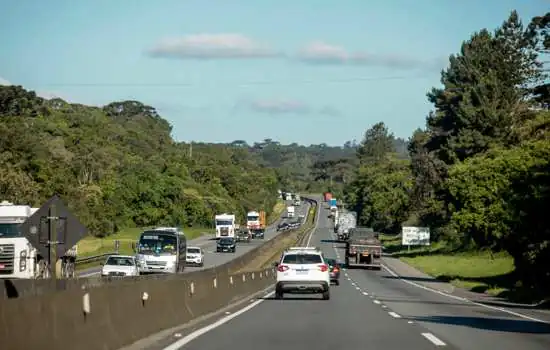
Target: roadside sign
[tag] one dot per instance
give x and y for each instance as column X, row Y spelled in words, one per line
column 69, row 230
column 411, row 235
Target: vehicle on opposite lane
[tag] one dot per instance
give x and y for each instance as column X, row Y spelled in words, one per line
column 302, row 270
column 120, row 266
column 226, row 244
column 194, row 256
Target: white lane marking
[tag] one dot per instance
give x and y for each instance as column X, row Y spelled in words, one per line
column 435, row 340
column 376, row 302
column 496, row 308
column 190, row 337
column 394, row 314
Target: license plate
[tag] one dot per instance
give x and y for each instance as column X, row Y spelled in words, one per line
column 365, row 254
column 302, row 272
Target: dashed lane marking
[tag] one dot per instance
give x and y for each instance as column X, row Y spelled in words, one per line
column 435, row 340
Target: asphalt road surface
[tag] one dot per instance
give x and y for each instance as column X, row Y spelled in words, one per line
column 369, row 310
column 208, row 244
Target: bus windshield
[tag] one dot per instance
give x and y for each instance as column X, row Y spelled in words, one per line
column 157, row 243
column 9, row 230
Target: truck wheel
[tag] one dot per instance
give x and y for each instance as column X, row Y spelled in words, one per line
column 337, row 282
column 326, row 295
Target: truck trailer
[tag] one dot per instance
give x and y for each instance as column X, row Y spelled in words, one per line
column 363, row 248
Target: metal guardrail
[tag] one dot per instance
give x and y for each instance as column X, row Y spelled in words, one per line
column 93, row 258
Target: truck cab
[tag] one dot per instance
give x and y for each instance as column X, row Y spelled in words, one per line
column 256, row 223
column 225, row 225
column 18, row 258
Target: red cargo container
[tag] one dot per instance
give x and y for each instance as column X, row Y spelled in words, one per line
column 327, row 196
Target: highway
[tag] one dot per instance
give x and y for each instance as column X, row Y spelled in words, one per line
column 208, row 244
column 370, row 309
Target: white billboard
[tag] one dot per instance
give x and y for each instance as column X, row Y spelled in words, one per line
column 411, row 235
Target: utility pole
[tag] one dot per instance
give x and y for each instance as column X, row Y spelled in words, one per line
column 191, row 149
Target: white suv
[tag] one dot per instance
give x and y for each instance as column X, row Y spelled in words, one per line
column 194, row 256
column 302, row 270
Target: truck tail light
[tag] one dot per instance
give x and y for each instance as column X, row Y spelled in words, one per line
column 282, row 268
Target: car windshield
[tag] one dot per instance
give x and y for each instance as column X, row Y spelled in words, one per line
column 193, row 251
column 120, row 261
column 252, row 218
column 157, row 243
column 302, row 259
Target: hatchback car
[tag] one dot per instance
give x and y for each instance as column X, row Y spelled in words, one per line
column 226, row 244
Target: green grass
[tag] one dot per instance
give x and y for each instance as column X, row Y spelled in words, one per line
column 477, row 271
column 277, row 211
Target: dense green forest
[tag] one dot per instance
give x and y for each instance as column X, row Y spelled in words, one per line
column 478, row 174
column 117, row 166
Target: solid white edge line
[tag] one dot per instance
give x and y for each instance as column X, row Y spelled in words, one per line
column 376, row 302
column 394, row 314
column 194, row 335
column 496, row 308
column 435, row 340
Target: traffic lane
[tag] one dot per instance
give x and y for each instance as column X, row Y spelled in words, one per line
column 347, row 320
column 213, row 258
column 463, row 324
column 196, row 242
column 208, row 244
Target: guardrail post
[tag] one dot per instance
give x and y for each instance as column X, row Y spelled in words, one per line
column 117, row 246
column 192, row 288
column 215, row 282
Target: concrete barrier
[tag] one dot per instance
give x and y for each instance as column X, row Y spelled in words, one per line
column 120, row 313
column 110, row 313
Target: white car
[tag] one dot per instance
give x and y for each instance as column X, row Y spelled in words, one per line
column 302, row 270
column 194, row 256
column 120, row 266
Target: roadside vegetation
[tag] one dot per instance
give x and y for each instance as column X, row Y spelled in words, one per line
column 478, row 174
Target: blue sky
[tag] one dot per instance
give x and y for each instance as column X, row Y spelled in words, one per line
column 306, row 71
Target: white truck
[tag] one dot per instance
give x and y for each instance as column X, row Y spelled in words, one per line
column 225, row 225
column 290, row 212
column 18, row 258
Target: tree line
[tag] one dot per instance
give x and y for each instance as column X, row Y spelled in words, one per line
column 478, row 174
column 117, row 166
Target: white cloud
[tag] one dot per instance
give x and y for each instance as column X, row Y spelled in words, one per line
column 319, row 52
column 4, row 82
column 210, row 46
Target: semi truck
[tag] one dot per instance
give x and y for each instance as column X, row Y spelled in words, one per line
column 256, row 223
column 363, row 248
column 18, row 258
column 225, row 225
